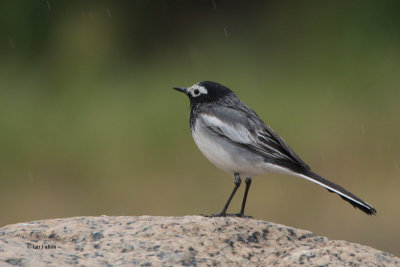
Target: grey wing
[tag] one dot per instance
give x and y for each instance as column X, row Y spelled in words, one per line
column 267, row 137
column 244, row 127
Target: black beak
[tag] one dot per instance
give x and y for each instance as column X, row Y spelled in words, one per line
column 180, row 89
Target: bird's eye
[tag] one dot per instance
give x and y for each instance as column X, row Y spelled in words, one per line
column 196, row 92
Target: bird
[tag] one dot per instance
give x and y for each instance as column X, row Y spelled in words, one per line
column 236, row 140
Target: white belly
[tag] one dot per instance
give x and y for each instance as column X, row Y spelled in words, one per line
column 228, row 156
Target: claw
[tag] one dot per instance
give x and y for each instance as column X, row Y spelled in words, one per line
column 228, row 215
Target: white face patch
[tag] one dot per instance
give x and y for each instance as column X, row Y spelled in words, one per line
column 197, row 90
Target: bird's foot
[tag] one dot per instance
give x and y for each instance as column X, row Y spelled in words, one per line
column 224, row 214
column 241, row 215
column 221, row 214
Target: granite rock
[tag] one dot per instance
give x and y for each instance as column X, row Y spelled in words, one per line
column 176, row 241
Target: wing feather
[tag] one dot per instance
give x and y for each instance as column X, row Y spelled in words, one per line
column 244, row 127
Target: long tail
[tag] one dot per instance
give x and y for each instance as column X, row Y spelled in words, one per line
column 343, row 193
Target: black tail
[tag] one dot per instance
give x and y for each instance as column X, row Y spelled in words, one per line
column 343, row 193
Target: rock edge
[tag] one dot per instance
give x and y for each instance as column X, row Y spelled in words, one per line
column 172, row 241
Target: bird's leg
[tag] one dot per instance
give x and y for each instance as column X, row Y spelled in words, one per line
column 248, row 183
column 237, row 180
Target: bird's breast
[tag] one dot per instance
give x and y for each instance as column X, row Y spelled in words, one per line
column 224, row 154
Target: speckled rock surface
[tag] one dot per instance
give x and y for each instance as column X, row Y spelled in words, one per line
column 175, row 241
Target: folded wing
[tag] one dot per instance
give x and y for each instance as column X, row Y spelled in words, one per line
column 243, row 126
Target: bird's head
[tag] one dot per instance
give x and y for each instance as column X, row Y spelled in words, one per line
column 205, row 92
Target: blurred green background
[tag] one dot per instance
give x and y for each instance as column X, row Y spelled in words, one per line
column 89, row 124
